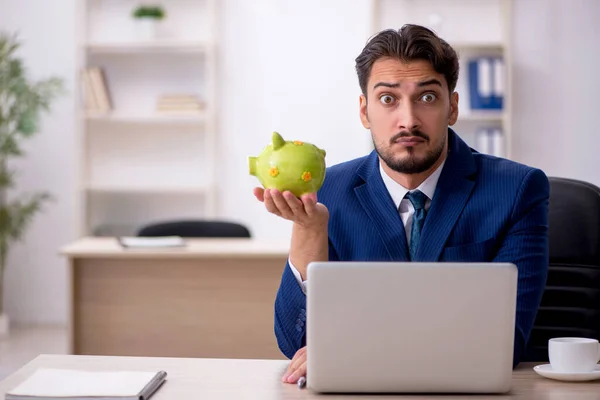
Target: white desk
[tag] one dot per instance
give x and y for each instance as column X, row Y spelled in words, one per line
column 219, row 379
column 214, row 298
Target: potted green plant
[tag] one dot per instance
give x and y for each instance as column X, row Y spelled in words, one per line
column 147, row 17
column 21, row 104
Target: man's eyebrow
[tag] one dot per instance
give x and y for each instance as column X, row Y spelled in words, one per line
column 430, row 82
column 386, row 84
column 420, row 84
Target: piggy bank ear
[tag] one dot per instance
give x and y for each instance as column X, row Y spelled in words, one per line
column 323, row 152
column 277, row 141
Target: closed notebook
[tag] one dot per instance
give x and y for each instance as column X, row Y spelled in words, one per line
column 48, row 383
column 151, row 242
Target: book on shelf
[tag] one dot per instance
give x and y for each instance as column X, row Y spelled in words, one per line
column 490, row 141
column 58, row 384
column 179, row 104
column 96, row 95
column 486, row 83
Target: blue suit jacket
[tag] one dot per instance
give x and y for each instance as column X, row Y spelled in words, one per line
column 484, row 209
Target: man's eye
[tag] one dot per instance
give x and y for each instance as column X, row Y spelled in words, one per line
column 386, row 99
column 428, row 98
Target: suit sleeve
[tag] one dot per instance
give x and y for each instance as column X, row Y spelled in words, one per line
column 290, row 311
column 526, row 246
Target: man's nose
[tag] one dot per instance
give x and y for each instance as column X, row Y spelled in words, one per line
column 407, row 117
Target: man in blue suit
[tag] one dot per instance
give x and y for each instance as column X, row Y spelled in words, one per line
column 421, row 195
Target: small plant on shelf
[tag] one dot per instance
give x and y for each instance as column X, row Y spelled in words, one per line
column 149, row 12
column 147, row 17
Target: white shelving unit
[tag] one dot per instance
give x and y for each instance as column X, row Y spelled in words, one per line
column 115, row 118
column 474, row 28
column 139, row 165
column 158, row 47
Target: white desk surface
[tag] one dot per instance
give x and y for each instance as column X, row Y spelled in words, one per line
column 218, row 379
column 100, row 247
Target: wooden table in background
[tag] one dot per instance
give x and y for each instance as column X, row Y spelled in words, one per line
column 212, row 299
column 220, row 379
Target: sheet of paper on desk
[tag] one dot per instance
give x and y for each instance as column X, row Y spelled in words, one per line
column 152, row 242
column 49, row 383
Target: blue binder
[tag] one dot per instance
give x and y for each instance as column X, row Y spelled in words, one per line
column 490, row 140
column 486, row 83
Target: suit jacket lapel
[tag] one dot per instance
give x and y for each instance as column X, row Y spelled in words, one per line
column 379, row 206
column 453, row 190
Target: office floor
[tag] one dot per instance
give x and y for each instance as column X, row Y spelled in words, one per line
column 27, row 342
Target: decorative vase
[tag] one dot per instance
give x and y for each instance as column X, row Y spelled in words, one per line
column 4, row 325
column 146, row 29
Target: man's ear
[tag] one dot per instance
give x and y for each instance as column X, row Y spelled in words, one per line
column 453, row 109
column 364, row 117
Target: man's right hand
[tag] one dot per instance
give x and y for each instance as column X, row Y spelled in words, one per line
column 304, row 211
column 309, row 233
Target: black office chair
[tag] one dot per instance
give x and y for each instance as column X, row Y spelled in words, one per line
column 571, row 301
column 195, row 229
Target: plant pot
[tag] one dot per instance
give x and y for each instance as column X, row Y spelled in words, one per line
column 146, row 28
column 4, row 325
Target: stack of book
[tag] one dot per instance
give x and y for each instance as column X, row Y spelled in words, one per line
column 96, row 96
column 179, row 104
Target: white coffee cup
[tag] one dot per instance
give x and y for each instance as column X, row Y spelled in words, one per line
column 573, row 354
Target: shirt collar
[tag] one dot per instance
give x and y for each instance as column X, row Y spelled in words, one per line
column 398, row 191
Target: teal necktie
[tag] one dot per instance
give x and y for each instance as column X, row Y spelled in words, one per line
column 417, row 198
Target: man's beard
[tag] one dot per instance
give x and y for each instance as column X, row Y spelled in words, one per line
column 410, row 164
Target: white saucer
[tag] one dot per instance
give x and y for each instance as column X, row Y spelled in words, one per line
column 547, row 371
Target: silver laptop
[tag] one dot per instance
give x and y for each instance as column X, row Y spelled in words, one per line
column 387, row 327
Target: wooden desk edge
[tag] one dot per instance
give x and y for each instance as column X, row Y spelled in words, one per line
column 172, row 255
column 107, row 247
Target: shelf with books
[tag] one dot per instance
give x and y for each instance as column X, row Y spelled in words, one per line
column 152, row 88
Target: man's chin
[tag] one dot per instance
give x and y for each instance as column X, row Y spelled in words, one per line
column 409, row 164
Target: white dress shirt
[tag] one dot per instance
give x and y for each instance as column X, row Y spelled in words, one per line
column 403, row 205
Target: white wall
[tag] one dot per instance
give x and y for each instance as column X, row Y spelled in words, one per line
column 556, row 86
column 289, row 66
column 36, row 281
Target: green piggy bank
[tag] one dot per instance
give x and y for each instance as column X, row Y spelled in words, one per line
column 293, row 166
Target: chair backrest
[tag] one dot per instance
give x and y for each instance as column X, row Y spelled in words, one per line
column 195, row 228
column 571, row 302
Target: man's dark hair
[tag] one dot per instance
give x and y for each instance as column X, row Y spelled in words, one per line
column 409, row 43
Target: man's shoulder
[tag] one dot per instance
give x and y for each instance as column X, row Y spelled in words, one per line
column 503, row 168
column 504, row 172
column 343, row 176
